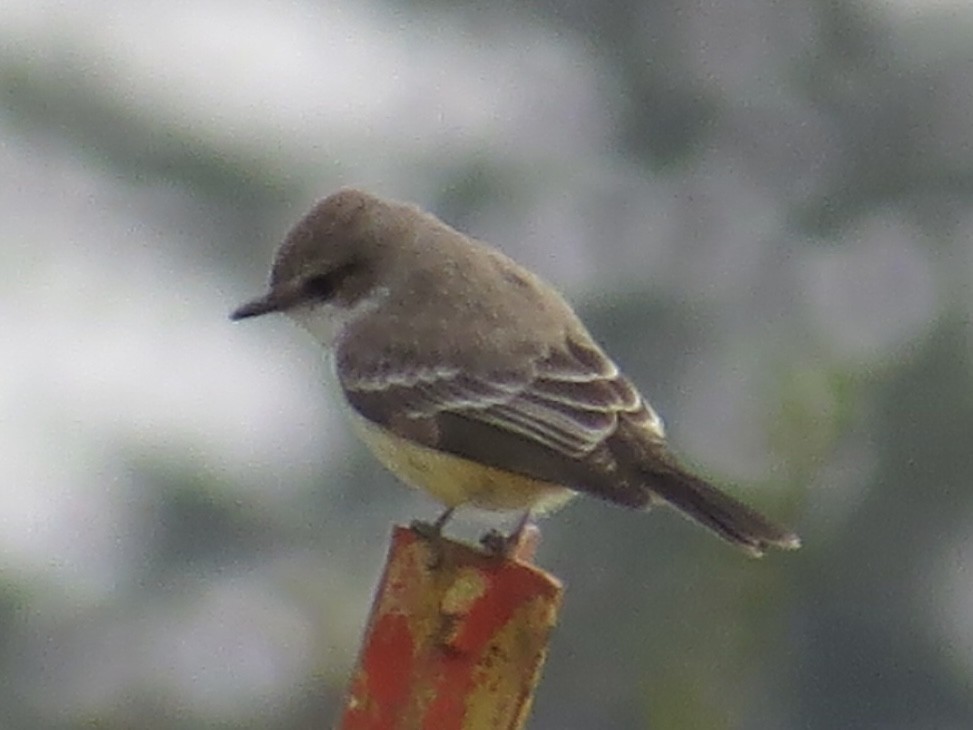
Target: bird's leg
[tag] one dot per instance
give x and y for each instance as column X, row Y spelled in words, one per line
column 432, row 532
column 506, row 546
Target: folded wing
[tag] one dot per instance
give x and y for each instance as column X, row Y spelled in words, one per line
column 539, row 420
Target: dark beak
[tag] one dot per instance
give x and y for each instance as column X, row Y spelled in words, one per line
column 275, row 300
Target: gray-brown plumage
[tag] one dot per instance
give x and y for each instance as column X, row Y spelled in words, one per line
column 444, row 343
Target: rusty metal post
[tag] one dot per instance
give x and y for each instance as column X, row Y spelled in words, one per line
column 454, row 642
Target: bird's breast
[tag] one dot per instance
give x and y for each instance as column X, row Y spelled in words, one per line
column 455, row 481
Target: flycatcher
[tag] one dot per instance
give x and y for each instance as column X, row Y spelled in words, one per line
column 470, row 377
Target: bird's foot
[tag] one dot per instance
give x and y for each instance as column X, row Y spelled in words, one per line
column 518, row 545
column 432, row 533
column 498, row 544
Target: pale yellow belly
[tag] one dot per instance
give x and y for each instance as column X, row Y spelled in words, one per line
column 455, row 481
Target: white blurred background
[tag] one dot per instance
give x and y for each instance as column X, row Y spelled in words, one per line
column 763, row 209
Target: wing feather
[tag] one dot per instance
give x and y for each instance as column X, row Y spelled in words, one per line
column 569, row 401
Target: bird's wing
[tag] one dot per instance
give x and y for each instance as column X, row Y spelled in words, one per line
column 540, row 419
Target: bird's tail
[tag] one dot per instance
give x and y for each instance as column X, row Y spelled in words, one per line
column 732, row 520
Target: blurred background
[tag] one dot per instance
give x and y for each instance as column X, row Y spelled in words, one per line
column 763, row 209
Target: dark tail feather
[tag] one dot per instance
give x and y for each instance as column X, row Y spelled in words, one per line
column 730, row 519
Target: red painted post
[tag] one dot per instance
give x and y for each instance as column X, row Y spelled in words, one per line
column 456, row 643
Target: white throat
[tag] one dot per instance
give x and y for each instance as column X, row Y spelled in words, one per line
column 325, row 322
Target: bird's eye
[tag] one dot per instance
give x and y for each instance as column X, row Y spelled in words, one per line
column 320, row 286
column 323, row 287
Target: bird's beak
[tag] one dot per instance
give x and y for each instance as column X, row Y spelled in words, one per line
column 277, row 299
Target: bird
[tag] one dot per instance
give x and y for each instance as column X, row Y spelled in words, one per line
column 470, row 377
